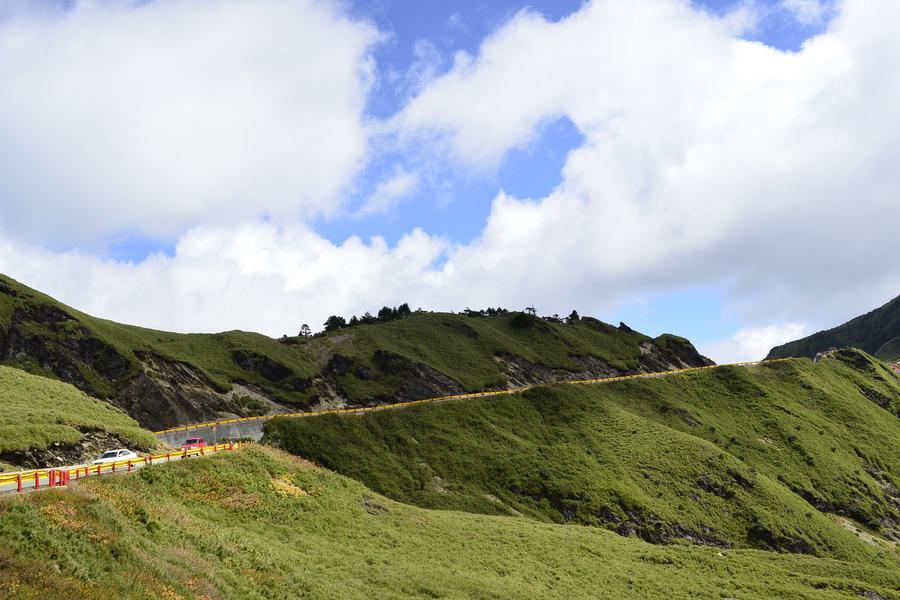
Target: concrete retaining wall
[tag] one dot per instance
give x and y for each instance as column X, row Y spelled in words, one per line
column 214, row 434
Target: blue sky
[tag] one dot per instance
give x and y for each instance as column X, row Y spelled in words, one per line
column 317, row 158
column 458, row 205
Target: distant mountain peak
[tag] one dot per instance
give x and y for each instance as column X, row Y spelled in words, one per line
column 877, row 332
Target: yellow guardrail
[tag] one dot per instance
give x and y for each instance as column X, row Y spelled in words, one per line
column 366, row 409
column 61, row 476
column 53, row 477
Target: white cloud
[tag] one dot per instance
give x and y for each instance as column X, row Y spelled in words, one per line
column 154, row 117
column 753, row 343
column 258, row 277
column 389, row 193
column 707, row 159
column 807, row 12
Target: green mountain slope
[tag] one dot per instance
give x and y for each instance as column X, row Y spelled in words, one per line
column 876, row 332
column 259, row 524
column 165, row 379
column 740, row 457
column 50, row 423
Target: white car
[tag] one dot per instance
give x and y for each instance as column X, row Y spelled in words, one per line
column 114, row 456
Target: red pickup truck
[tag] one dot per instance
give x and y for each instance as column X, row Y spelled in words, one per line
column 193, row 443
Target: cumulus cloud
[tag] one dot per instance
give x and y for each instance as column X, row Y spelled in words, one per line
column 153, row 117
column 706, row 158
column 256, row 277
column 753, row 343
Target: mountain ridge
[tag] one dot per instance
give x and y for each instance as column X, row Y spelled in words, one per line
column 877, row 332
column 718, row 457
column 167, row 379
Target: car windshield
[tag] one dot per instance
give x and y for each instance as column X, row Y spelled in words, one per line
column 110, row 454
column 193, row 441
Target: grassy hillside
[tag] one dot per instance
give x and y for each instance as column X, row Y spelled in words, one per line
column 876, row 332
column 164, row 379
column 102, row 353
column 258, row 524
column 36, row 412
column 742, row 457
column 474, row 351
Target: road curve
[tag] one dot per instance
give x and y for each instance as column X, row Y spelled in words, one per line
column 252, row 427
column 229, row 430
column 24, row 481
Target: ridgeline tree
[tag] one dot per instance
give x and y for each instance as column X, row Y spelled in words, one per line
column 335, row 322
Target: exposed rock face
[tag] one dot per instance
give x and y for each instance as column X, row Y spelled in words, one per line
column 876, row 397
column 419, row 380
column 521, row 372
column 50, row 339
column 669, row 352
column 651, row 528
column 155, row 392
column 166, row 394
column 40, row 335
column 270, row 369
column 764, row 537
column 679, row 354
column 414, row 380
column 58, row 455
column 889, row 521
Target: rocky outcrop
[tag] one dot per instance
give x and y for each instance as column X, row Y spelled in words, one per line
column 47, row 338
column 91, row 445
column 418, row 380
column 169, row 393
column 521, row 372
column 655, row 530
column 410, row 380
column 764, row 537
column 270, row 369
column 669, row 352
column 674, row 353
column 876, row 397
column 240, row 377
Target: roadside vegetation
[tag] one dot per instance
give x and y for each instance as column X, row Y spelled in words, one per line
column 36, row 412
column 399, row 354
column 760, row 457
column 260, row 524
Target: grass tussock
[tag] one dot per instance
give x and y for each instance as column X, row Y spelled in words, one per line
column 218, row 528
column 733, row 457
column 36, row 412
